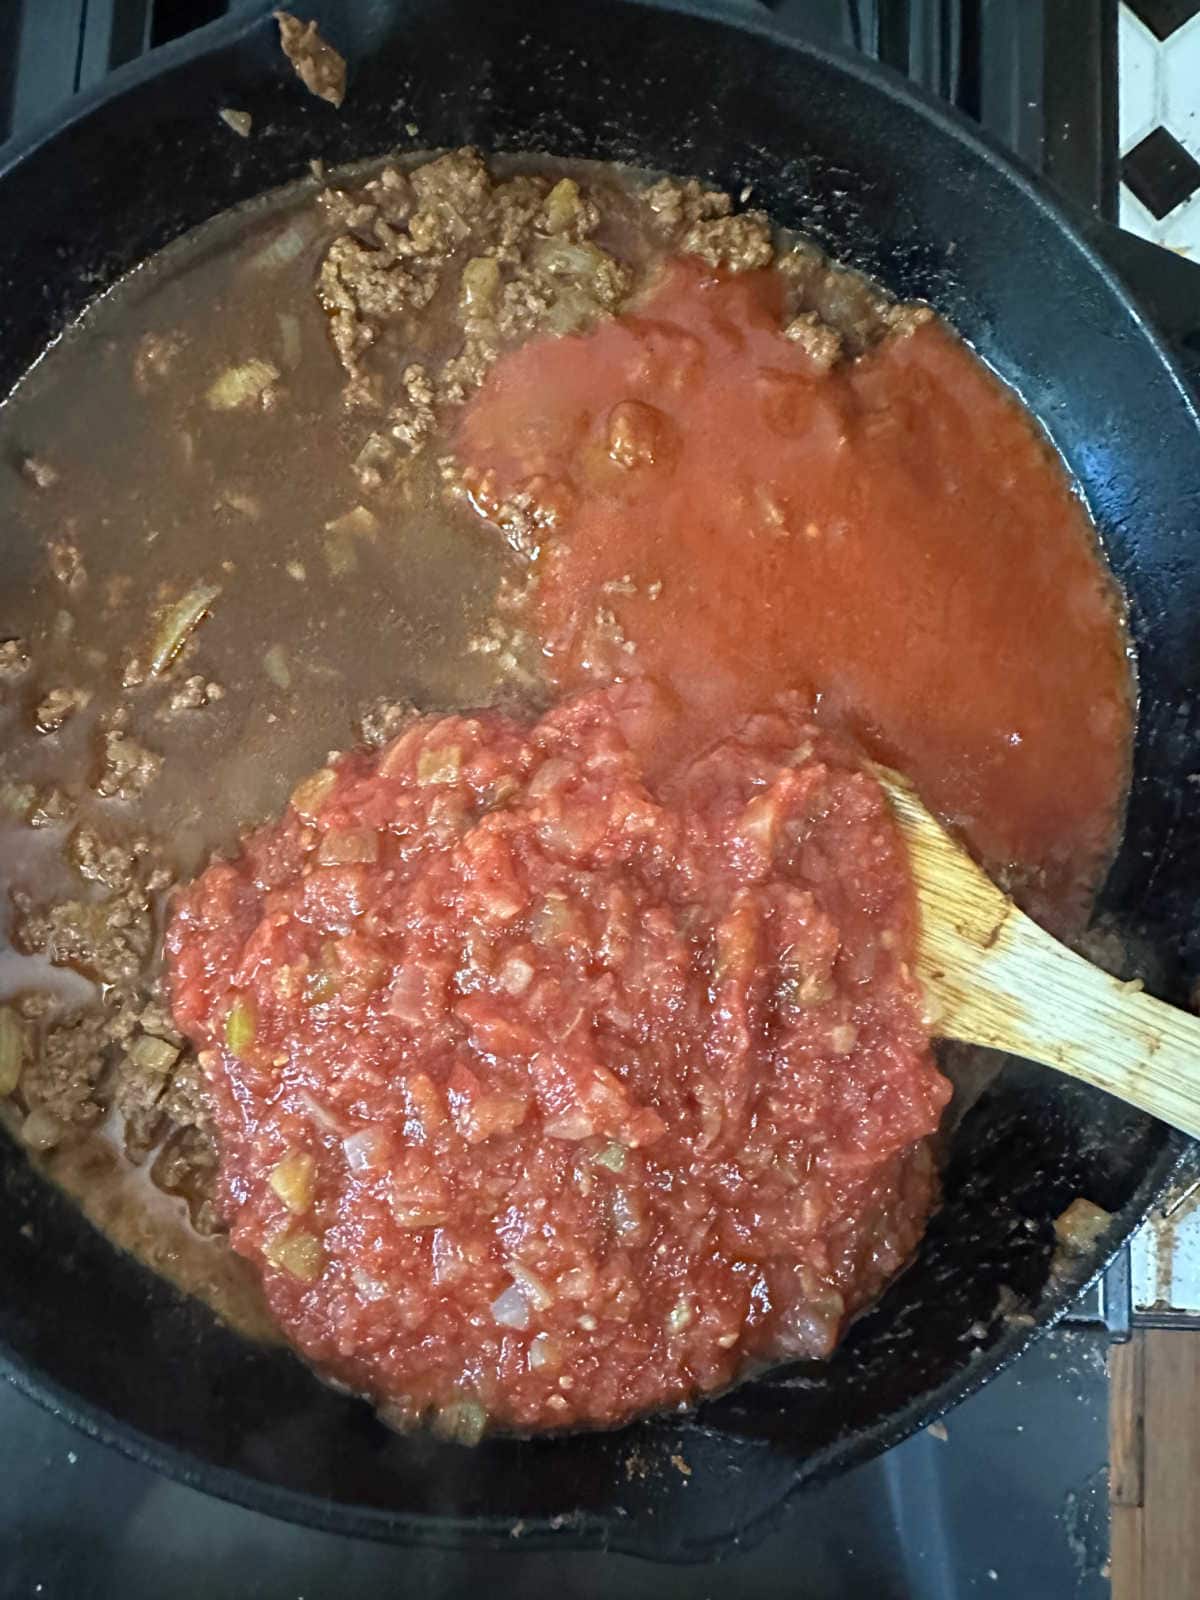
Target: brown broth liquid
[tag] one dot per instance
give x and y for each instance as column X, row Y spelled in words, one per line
column 160, row 492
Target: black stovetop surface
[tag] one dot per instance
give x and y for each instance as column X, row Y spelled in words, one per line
column 1012, row 1501
column 1010, row 1505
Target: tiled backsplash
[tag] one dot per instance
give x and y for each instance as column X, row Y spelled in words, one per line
column 1159, row 45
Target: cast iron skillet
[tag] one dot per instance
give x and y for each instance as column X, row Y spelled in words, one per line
column 903, row 188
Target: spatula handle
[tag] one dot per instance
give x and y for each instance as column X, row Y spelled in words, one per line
column 1030, row 995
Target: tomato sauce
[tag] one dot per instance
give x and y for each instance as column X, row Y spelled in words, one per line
column 893, row 537
column 551, row 1090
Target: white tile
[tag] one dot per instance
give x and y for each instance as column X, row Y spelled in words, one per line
column 1134, row 217
column 1180, row 229
column 1180, row 67
column 1138, row 82
column 1165, row 1260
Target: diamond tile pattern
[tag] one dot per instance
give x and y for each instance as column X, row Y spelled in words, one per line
column 1162, row 17
column 1159, row 55
column 1161, row 173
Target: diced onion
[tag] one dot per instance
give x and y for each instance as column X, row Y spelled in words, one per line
column 153, row 1055
column 511, row 1309
column 239, row 121
column 14, row 1047
column 177, row 623
column 280, row 250
column 574, row 1125
column 342, row 847
column 1080, row 1226
column 240, row 1025
column 341, row 552
column 362, row 1150
column 309, row 795
column 464, row 1422
column 17, row 800
column 515, row 975
column 289, row 339
column 550, row 775
column 292, row 1179
column 321, row 1115
column 359, row 521
column 41, row 1130
column 275, row 665
column 625, row 1212
column 612, row 1156
column 550, row 919
column 563, row 205
column 242, row 385
column 842, row 1038
column 369, row 1288
column 244, row 504
column 442, row 764
column 681, row 1316
column 301, row 1255
column 544, row 1352
column 532, row 1287
column 480, row 282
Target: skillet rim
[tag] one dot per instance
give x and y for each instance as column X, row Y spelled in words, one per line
column 593, row 1530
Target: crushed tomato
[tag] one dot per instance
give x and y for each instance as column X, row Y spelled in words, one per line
column 894, row 537
column 553, row 1093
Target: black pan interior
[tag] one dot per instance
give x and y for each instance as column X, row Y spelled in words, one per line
column 846, row 153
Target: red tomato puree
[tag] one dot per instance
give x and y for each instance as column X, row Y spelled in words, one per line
column 551, row 1092
column 893, row 537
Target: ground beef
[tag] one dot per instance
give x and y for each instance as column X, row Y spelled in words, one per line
column 64, row 1075
column 105, row 861
column 456, row 188
column 193, row 694
column 821, row 343
column 373, row 460
column 141, row 1082
column 516, row 254
column 856, row 309
column 52, row 807
column 739, row 243
column 463, row 373
column 127, row 767
column 107, row 939
column 317, row 64
column 126, row 1053
column 187, row 1100
column 187, row 1166
column 375, row 283
column 39, row 472
column 66, row 565
column 564, row 288
column 524, row 515
column 15, row 659
column 154, row 359
column 383, row 720
column 56, row 708
column 675, row 206
column 412, row 419
column 904, row 317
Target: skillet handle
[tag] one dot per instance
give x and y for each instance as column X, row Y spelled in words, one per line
column 1167, row 286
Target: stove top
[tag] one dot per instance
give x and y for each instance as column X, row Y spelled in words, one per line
column 1009, row 1496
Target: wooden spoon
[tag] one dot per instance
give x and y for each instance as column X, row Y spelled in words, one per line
column 995, row 978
